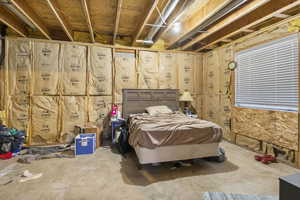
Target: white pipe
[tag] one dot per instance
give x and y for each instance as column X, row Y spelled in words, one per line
column 149, row 42
column 160, row 21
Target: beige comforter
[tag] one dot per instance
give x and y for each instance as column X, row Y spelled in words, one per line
column 171, row 129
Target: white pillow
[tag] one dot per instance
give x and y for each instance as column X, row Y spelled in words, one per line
column 155, row 110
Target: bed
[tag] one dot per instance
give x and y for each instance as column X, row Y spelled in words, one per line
column 167, row 137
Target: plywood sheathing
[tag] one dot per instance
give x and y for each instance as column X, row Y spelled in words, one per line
column 46, row 16
column 280, row 128
column 248, row 142
column 258, row 126
column 276, row 128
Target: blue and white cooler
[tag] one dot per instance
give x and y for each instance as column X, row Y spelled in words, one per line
column 85, row 144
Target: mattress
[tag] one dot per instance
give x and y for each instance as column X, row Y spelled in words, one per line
column 171, row 129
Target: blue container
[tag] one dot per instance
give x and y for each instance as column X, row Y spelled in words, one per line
column 85, row 144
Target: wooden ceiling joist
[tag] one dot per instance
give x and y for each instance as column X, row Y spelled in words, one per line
column 148, row 15
column 253, row 5
column 280, row 15
column 88, row 19
column 31, row 15
column 117, row 20
column 13, row 22
column 226, row 40
column 61, row 18
column 246, row 30
column 205, row 12
column 253, row 19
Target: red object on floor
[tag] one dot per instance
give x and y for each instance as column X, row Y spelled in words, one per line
column 6, row 156
column 268, row 160
column 258, row 158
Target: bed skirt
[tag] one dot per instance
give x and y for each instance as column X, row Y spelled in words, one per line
column 176, row 152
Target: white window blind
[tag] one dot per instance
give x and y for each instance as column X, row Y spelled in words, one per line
column 267, row 75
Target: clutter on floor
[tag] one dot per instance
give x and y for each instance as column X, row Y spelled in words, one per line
column 265, row 159
column 27, row 176
column 223, row 196
column 38, row 153
column 11, row 142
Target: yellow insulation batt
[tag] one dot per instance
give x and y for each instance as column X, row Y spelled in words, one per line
column 18, row 112
column 125, row 73
column 74, row 112
column 73, row 61
column 167, row 71
column 99, row 108
column 19, row 67
column 45, row 120
column 46, row 68
column 100, row 71
column 148, row 70
column 186, row 72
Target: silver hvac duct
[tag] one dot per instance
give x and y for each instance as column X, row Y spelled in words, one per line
column 230, row 7
column 14, row 10
column 167, row 11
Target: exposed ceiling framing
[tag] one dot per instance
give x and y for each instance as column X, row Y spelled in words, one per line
column 230, row 19
column 264, row 13
column 148, row 15
column 117, row 21
column 61, row 18
column 88, row 18
column 12, row 21
column 126, row 22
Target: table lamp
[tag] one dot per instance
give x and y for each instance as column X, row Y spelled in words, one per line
column 186, row 97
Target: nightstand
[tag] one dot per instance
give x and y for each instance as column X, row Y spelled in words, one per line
column 115, row 125
column 290, row 187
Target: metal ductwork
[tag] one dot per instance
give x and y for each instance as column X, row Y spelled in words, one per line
column 13, row 9
column 167, row 11
column 230, row 7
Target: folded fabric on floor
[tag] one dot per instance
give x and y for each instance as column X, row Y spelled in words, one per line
column 223, row 196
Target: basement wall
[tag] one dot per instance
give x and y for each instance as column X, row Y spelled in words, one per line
column 264, row 131
column 48, row 87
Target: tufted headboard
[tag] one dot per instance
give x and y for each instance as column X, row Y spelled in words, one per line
column 136, row 100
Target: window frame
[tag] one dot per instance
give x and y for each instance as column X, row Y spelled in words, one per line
column 260, row 46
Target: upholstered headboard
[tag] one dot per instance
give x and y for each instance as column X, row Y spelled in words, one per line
column 136, row 100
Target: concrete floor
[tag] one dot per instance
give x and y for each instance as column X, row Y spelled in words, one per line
column 106, row 175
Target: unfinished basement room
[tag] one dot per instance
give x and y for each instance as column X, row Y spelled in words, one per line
column 149, row 100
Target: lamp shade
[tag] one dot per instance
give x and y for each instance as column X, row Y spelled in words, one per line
column 186, row 96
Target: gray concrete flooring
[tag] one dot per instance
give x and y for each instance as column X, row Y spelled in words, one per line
column 106, row 175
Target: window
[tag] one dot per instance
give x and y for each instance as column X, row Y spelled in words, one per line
column 267, row 75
